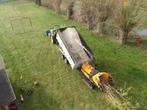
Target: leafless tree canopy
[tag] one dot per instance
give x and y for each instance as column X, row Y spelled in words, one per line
column 127, row 16
column 96, row 12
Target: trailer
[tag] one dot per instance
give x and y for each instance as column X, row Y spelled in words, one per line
column 74, row 49
column 7, row 95
column 78, row 55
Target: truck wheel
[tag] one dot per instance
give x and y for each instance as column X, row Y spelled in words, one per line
column 52, row 40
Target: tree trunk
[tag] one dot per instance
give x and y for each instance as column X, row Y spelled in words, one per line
column 58, row 11
column 89, row 22
column 123, row 36
column 100, row 28
column 58, row 6
column 90, row 25
column 38, row 2
column 70, row 11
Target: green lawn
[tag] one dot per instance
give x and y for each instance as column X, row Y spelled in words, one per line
column 29, row 57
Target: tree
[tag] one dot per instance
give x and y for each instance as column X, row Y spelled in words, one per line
column 87, row 13
column 57, row 6
column 128, row 14
column 38, row 2
column 104, row 10
column 96, row 12
column 69, row 9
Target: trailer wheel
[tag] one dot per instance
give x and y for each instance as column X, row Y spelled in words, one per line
column 52, row 40
column 66, row 61
column 63, row 57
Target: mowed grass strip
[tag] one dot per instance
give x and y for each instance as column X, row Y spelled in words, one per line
column 33, row 57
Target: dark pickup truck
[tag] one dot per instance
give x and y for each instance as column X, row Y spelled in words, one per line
column 7, row 95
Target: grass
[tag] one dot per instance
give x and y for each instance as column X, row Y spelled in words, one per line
column 32, row 56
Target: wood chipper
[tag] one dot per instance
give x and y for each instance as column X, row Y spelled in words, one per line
column 7, row 95
column 78, row 55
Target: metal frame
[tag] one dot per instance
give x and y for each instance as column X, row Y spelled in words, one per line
column 20, row 19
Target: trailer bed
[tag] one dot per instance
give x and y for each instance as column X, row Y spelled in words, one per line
column 74, row 45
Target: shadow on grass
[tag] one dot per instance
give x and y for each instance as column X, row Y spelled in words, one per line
column 35, row 98
column 142, row 45
column 137, row 74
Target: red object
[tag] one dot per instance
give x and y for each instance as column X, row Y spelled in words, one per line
column 137, row 39
column 12, row 107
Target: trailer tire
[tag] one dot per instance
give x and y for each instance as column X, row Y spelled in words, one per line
column 66, row 61
column 63, row 57
column 52, row 40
